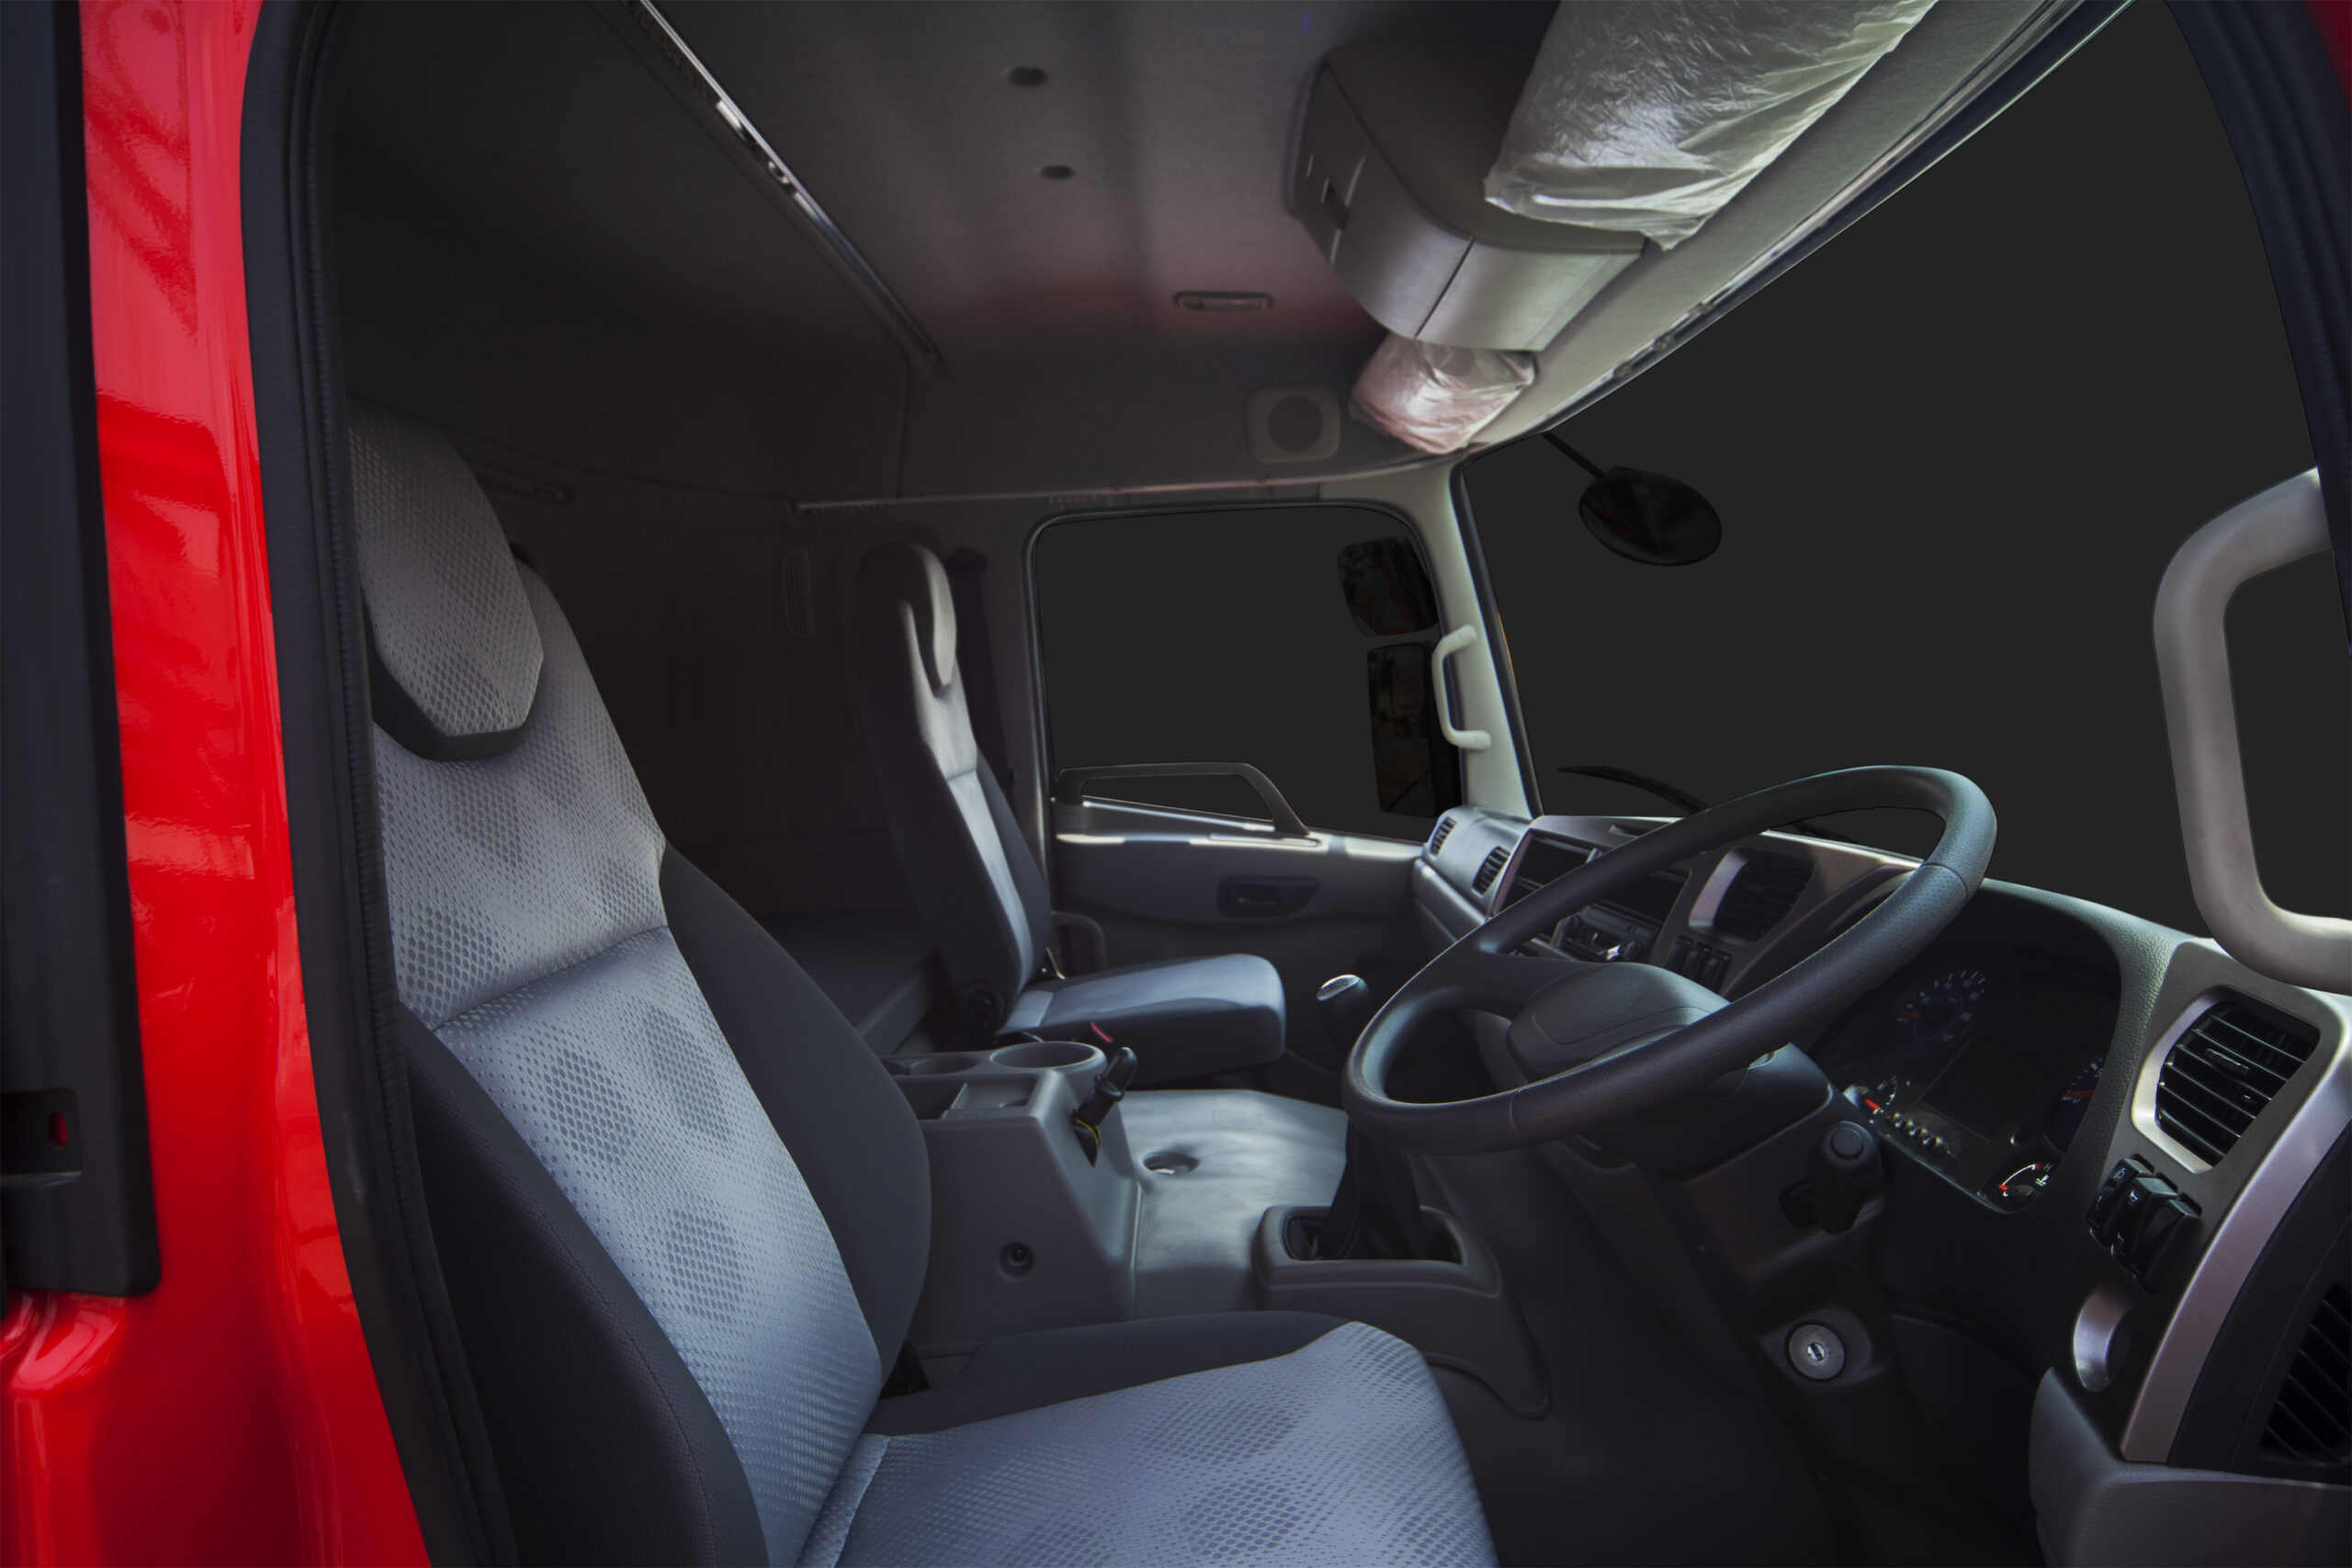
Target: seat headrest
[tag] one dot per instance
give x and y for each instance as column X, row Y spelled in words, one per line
column 454, row 649
column 900, row 573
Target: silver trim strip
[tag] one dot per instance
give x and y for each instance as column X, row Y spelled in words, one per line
column 856, row 271
column 2241, row 1235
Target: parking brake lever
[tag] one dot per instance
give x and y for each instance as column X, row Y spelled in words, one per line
column 1109, row 1088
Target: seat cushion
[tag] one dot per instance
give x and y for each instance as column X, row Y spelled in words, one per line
column 1337, row 1451
column 1186, row 1018
column 879, row 966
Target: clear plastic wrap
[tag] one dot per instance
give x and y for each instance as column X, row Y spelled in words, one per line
column 1649, row 117
column 1436, row 396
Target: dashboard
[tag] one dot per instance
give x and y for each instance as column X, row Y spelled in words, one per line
column 1979, row 1062
column 2117, row 1161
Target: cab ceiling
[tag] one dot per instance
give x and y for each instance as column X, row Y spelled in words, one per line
column 548, row 240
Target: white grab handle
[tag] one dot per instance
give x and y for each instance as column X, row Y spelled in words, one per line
column 1450, row 644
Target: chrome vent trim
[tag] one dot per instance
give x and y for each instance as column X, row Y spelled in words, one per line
column 1438, row 837
column 2222, row 1072
column 1490, row 868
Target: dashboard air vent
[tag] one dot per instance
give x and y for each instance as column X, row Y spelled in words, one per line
column 1762, row 895
column 1490, row 868
column 1437, row 838
column 2312, row 1419
column 2224, row 1071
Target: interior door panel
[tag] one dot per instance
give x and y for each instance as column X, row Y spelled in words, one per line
column 1174, row 885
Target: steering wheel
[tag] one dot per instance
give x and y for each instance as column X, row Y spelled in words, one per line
column 1619, row 1038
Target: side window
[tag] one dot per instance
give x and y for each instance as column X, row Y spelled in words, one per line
column 1293, row 638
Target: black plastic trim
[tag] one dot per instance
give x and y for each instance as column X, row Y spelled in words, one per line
column 76, row 1215
column 342, row 916
column 397, row 713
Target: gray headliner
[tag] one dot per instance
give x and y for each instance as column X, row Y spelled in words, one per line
column 547, row 241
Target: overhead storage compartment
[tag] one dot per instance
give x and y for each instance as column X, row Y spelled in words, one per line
column 1652, row 117
column 1390, row 181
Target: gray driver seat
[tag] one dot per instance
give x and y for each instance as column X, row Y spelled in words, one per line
column 683, row 1212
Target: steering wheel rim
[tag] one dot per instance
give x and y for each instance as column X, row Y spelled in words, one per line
column 1484, row 970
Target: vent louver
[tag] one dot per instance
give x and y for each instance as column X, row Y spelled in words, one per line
column 2312, row 1419
column 2224, row 1071
column 1762, row 895
column 1490, row 868
column 1437, row 838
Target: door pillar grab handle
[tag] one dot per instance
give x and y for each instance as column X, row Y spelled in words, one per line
column 1449, row 644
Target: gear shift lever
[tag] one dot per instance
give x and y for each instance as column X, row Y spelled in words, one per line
column 1377, row 1213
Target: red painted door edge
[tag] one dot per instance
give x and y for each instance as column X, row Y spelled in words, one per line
column 2332, row 19
column 231, row 1415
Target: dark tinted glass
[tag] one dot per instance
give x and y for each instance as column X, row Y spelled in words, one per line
column 1388, row 594
column 1215, row 637
column 1417, row 774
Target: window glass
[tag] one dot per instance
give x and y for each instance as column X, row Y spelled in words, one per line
column 1295, row 638
column 1953, row 453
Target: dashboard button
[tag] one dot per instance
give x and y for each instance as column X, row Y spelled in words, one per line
column 2110, row 1199
column 2162, row 1227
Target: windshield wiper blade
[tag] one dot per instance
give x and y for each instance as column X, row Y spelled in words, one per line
column 1681, row 798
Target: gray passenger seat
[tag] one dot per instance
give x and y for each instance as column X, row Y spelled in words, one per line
column 979, row 885
column 684, row 1213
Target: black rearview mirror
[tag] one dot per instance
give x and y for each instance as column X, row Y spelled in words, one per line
column 1651, row 518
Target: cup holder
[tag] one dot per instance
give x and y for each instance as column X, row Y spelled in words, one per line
column 1062, row 1054
column 929, row 1067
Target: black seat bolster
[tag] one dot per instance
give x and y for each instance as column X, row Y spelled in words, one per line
column 608, row 1448
column 1025, row 1371
column 846, row 1124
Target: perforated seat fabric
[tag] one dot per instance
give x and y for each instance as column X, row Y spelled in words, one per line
column 975, row 879
column 1339, row 1454
column 682, row 1209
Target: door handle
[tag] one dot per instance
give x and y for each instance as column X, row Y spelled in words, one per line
column 1263, row 896
column 1449, row 644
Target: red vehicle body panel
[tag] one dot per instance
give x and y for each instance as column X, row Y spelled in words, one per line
column 231, row 1415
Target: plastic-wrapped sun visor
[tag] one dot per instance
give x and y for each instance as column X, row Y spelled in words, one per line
column 1436, row 396
column 1650, row 115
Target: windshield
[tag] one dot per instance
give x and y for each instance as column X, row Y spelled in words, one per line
column 1952, row 453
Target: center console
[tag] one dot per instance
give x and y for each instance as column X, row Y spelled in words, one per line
column 1038, row 1222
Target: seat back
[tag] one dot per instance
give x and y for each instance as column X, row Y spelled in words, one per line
column 974, row 878
column 677, row 1328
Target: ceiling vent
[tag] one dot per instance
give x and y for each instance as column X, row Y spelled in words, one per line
column 1437, row 838
column 2229, row 1065
column 1490, row 868
column 1762, row 895
column 2313, row 1420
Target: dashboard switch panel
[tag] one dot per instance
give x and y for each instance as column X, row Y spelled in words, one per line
column 2143, row 1220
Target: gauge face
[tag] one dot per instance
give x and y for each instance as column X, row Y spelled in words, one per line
column 1941, row 1010
column 2066, row 1115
